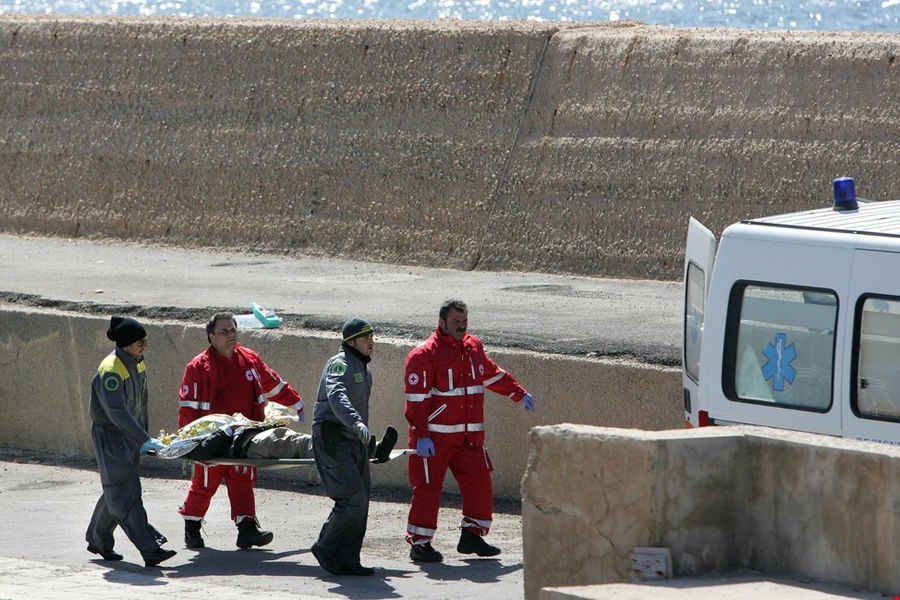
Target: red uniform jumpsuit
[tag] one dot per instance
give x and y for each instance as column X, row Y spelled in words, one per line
column 445, row 381
column 213, row 383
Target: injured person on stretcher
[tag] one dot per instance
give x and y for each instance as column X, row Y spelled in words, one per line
column 234, row 439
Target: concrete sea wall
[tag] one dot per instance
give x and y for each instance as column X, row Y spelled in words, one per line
column 780, row 503
column 559, row 148
column 47, row 360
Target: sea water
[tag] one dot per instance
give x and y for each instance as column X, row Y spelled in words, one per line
column 855, row 15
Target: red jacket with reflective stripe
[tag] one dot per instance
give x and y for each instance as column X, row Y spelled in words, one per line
column 445, row 381
column 198, row 387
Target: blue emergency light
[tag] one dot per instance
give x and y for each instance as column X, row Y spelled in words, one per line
column 845, row 194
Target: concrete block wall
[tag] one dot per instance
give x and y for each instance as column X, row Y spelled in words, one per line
column 558, row 148
column 47, row 360
column 720, row 498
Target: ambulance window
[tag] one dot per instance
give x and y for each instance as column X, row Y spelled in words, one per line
column 780, row 346
column 695, row 297
column 877, row 376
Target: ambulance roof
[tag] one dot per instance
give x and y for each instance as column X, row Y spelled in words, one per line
column 871, row 218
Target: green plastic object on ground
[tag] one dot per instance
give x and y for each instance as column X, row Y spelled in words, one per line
column 260, row 318
column 267, row 317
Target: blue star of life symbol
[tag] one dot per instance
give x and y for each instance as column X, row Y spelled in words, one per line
column 778, row 366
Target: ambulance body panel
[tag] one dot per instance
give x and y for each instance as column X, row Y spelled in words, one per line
column 793, row 321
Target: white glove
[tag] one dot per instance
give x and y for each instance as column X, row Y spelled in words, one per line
column 362, row 432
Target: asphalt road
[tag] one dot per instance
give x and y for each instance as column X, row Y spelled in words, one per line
column 555, row 314
column 48, row 507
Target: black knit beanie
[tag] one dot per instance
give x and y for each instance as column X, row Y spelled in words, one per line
column 355, row 328
column 125, row 331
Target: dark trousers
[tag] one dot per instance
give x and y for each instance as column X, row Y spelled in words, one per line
column 121, row 504
column 343, row 466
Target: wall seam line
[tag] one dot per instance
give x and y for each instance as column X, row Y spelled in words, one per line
column 495, row 196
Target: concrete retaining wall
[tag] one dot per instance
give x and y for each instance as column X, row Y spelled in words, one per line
column 720, row 498
column 47, row 360
column 541, row 147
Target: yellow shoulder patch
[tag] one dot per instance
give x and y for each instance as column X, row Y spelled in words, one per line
column 113, row 364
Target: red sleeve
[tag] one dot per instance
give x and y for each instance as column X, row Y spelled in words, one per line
column 499, row 381
column 419, row 377
column 191, row 394
column 276, row 389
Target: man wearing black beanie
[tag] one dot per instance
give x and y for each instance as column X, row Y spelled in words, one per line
column 119, row 431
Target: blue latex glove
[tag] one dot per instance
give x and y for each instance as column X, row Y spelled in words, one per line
column 362, row 432
column 528, row 402
column 424, row 447
column 302, row 416
column 150, row 445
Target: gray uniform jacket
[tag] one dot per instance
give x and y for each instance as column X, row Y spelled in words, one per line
column 119, row 396
column 118, row 428
column 343, row 395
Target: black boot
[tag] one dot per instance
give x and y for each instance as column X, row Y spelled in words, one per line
column 327, row 560
column 469, row 543
column 383, row 451
column 249, row 534
column 425, row 553
column 157, row 556
column 192, row 537
column 106, row 554
column 357, row 569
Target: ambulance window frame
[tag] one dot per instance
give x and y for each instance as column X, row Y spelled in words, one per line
column 732, row 327
column 854, row 363
column 693, row 372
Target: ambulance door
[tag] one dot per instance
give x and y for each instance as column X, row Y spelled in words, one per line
column 780, row 318
column 871, row 391
column 700, row 252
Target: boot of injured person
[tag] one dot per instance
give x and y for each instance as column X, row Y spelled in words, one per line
column 382, row 452
column 469, row 543
column 192, row 537
column 249, row 534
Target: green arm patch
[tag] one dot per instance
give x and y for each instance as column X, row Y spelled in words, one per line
column 111, row 382
column 337, row 368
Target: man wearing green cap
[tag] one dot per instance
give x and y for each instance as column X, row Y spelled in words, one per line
column 340, row 444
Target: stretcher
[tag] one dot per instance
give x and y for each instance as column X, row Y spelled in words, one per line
column 284, row 463
column 268, row 464
column 192, row 435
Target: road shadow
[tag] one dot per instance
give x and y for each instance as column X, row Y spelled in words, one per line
column 376, row 586
column 209, row 562
column 476, row 570
column 204, row 562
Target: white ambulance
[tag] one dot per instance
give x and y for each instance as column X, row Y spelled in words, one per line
column 794, row 322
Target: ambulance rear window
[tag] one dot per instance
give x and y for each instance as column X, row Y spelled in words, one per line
column 695, row 299
column 876, row 394
column 779, row 346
